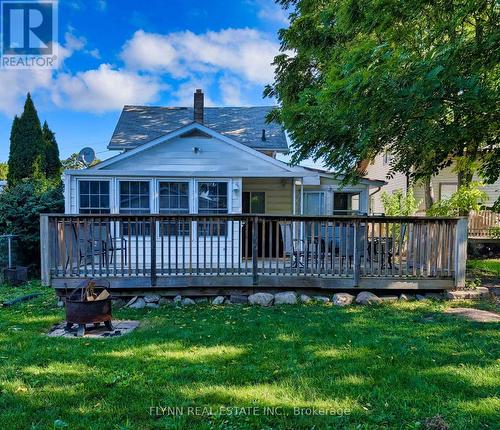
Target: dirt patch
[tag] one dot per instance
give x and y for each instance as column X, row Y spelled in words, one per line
column 474, row 314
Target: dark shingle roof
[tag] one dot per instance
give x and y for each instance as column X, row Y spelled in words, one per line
column 141, row 124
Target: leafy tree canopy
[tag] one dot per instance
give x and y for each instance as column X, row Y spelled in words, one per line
column 4, row 168
column 417, row 78
column 73, row 163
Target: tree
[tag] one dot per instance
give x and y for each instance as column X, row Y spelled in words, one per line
column 416, row 78
column 467, row 198
column 4, row 168
column 20, row 209
column 53, row 164
column 73, row 163
column 27, row 146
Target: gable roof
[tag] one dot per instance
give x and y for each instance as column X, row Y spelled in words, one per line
column 285, row 170
column 141, row 124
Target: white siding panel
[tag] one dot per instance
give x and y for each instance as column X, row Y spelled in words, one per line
column 178, row 155
column 379, row 170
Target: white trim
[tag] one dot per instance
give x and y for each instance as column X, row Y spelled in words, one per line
column 214, row 134
column 323, row 196
column 93, row 179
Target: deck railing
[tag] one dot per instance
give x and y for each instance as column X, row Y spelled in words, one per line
column 253, row 250
column 483, row 223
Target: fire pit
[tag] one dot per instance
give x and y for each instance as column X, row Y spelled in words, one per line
column 88, row 304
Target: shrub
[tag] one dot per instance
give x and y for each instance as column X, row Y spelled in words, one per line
column 399, row 204
column 20, row 209
column 467, row 198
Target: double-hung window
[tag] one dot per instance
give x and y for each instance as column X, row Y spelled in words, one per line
column 93, row 197
column 174, row 200
column 212, row 200
column 135, row 200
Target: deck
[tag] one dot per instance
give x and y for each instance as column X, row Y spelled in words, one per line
column 170, row 253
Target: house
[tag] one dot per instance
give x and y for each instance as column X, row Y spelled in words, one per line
column 196, row 198
column 443, row 185
column 205, row 160
column 3, row 184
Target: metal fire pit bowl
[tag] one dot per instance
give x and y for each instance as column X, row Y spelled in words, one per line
column 83, row 312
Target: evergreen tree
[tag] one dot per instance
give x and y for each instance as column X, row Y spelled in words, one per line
column 52, row 162
column 27, row 146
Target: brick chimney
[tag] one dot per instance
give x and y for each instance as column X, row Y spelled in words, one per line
column 198, row 106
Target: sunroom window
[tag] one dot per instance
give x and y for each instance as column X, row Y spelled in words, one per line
column 93, row 197
column 134, row 200
column 212, row 200
column 174, row 200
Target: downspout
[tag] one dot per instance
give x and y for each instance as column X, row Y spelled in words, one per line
column 372, row 194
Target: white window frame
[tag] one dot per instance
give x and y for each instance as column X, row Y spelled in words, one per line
column 229, row 182
column 94, row 179
column 323, row 197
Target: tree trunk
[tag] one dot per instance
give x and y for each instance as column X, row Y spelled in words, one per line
column 464, row 179
column 428, row 193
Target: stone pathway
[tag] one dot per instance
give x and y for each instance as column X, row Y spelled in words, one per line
column 474, row 314
column 120, row 328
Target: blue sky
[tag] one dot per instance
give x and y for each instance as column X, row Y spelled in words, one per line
column 116, row 52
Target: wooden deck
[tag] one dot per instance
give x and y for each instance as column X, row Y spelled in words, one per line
column 171, row 253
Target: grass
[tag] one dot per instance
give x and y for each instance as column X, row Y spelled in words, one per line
column 484, row 269
column 389, row 366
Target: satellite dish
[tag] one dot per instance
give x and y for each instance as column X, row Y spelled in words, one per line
column 86, row 156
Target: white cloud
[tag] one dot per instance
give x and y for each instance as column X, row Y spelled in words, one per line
column 104, row 89
column 16, row 83
column 230, row 91
column 246, row 53
column 270, row 11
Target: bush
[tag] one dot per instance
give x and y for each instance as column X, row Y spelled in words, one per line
column 399, row 204
column 467, row 198
column 20, row 209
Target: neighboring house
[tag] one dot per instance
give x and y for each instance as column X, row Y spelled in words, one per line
column 205, row 160
column 443, row 185
column 3, row 184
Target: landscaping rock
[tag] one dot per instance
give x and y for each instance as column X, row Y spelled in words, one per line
column 186, row 301
column 152, row 298
column 365, row 298
column 177, row 299
column 404, row 297
column 286, row 298
column 304, row 298
column 118, row 303
column 201, row 300
column 238, row 299
column 420, row 297
column 342, row 299
column 477, row 293
column 152, row 305
column 131, row 301
column 321, row 299
column 164, row 301
column 219, row 300
column 261, row 299
column 139, row 303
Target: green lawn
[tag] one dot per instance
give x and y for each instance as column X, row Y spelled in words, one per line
column 389, row 366
column 484, row 269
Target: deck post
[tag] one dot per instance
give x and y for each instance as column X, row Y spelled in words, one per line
column 460, row 252
column 356, row 253
column 153, row 252
column 44, row 250
column 255, row 251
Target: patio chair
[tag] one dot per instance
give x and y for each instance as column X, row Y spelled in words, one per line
column 103, row 243
column 291, row 246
